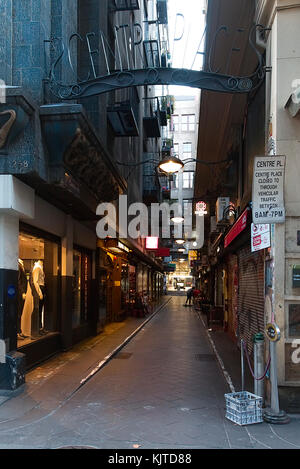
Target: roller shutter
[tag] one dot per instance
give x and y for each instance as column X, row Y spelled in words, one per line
column 250, row 295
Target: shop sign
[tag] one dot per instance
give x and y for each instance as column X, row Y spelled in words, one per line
column 221, row 205
column 237, row 228
column 123, row 247
column 260, row 237
column 268, row 190
column 192, row 255
column 169, row 267
column 162, row 252
column 152, row 242
column 201, row 209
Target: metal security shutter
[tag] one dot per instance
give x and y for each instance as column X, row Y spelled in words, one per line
column 250, row 295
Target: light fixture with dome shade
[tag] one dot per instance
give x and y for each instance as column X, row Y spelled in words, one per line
column 180, row 241
column 170, row 164
column 177, row 219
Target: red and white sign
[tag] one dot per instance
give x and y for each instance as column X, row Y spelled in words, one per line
column 237, row 228
column 201, row 208
column 152, row 242
column 260, row 237
column 162, row 252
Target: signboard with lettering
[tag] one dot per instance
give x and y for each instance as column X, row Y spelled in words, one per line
column 239, row 226
column 268, row 190
column 260, row 237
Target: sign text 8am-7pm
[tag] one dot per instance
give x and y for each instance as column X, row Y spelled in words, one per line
column 268, row 190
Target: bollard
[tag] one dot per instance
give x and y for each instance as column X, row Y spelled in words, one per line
column 259, row 345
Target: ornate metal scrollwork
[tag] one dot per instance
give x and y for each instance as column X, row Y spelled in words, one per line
column 124, row 78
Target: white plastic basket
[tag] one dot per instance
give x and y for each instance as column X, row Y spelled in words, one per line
column 244, row 408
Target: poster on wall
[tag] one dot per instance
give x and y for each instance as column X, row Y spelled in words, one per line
column 268, row 190
column 260, row 237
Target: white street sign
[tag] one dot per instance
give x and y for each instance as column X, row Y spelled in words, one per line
column 260, row 237
column 268, row 190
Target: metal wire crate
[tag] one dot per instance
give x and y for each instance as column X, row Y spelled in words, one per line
column 244, row 408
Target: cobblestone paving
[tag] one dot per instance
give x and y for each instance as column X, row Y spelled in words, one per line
column 164, row 390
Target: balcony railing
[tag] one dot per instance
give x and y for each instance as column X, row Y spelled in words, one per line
column 151, row 183
column 152, row 121
column 124, row 5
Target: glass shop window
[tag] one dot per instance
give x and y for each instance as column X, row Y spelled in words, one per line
column 38, row 286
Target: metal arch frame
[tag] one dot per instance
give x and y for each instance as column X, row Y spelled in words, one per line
column 209, row 81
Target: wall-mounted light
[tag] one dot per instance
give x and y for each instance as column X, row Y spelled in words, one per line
column 177, row 219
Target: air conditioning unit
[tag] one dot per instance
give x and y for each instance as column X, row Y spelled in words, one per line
column 222, row 203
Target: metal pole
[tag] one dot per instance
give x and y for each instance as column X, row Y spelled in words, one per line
column 273, row 378
column 274, row 414
column 242, row 365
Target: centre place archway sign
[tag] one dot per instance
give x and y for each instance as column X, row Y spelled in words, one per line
column 144, row 65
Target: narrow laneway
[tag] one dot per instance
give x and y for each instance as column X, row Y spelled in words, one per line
column 165, row 389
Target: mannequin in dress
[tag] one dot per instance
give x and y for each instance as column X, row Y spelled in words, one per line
column 38, row 291
column 22, row 288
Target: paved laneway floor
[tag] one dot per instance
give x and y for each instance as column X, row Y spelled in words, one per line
column 164, row 389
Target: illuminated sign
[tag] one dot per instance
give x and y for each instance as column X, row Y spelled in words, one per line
column 201, row 208
column 239, row 226
column 152, row 242
column 123, row 247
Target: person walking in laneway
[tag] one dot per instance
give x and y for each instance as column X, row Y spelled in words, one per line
column 189, row 296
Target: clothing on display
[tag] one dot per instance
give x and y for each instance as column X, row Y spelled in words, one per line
column 37, row 283
column 22, row 289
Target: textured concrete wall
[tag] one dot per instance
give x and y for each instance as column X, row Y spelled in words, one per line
column 5, row 41
column 30, row 27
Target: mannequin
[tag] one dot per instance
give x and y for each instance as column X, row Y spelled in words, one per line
column 38, row 291
column 22, row 288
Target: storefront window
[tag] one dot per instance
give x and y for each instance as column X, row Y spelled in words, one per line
column 102, row 279
column 294, row 320
column 81, row 287
column 124, row 286
column 37, row 288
